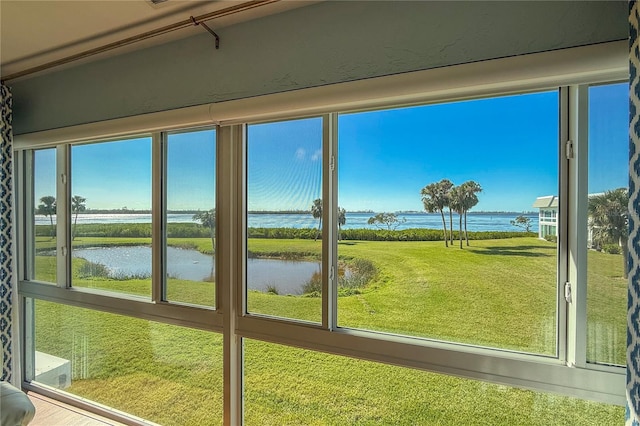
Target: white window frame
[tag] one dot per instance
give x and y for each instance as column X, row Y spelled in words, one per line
column 568, row 373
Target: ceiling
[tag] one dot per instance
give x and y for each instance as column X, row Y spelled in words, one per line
column 35, row 32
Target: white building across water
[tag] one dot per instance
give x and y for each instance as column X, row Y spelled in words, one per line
column 547, row 216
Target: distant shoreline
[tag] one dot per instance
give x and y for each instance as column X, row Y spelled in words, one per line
column 301, row 212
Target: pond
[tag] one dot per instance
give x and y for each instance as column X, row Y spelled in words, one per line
column 286, row 276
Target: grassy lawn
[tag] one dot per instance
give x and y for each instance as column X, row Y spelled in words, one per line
column 498, row 293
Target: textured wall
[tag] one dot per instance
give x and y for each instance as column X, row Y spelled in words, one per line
column 320, row 44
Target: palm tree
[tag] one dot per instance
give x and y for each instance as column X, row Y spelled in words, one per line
column 342, row 219
column 446, row 186
column 457, row 203
column 47, row 207
column 609, row 220
column 470, row 190
column 208, row 220
column 77, row 206
column 316, row 211
column 435, row 201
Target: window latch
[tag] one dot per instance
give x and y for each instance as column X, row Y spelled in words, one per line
column 569, row 151
column 567, row 292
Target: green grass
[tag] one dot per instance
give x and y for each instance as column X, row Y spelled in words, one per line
column 498, row 293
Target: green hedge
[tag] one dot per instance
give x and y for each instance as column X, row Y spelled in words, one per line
column 421, row 234
column 194, row 230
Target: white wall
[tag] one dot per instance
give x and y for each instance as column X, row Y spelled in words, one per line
column 320, row 44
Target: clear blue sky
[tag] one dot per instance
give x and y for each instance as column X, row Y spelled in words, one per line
column 113, row 175
column 508, row 145
column 608, row 137
column 191, row 159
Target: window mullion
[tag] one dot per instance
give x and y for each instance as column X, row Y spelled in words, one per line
column 577, row 239
column 229, row 266
column 158, row 217
column 25, row 208
column 63, row 215
column 563, row 252
column 330, row 214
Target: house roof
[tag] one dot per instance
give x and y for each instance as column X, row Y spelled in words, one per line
column 549, row 201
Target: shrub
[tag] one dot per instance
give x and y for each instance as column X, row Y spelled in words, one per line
column 612, row 249
column 121, row 276
column 271, row 289
column 314, row 285
column 92, row 270
column 551, row 238
column 358, row 273
column 352, row 276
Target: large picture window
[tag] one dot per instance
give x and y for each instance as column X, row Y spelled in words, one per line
column 368, row 258
column 441, row 237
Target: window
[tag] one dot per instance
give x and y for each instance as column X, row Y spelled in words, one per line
column 191, row 217
column 233, row 259
column 440, row 238
column 317, row 388
column 284, row 199
column 111, row 186
column 160, row 372
column 607, row 224
column 44, row 219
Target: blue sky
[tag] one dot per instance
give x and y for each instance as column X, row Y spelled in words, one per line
column 507, row 144
column 191, row 159
column 113, row 175
column 608, row 137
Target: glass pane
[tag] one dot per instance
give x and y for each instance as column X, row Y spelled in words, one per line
column 163, row 373
column 441, row 235
column 608, row 224
column 284, row 175
column 290, row 386
column 44, row 202
column 111, row 216
column 191, row 217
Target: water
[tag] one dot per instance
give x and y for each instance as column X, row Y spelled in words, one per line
column 287, row 277
column 475, row 221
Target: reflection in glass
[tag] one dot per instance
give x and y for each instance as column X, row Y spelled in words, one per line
column 159, row 372
column 111, row 209
column 608, row 224
column 284, row 190
column 44, row 202
column 443, row 236
column 191, row 217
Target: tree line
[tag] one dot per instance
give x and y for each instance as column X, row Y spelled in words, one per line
column 436, row 198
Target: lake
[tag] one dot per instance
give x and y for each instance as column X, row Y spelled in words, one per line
column 475, row 221
column 287, row 277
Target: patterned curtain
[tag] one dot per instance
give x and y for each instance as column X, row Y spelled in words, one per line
column 6, row 224
column 633, row 314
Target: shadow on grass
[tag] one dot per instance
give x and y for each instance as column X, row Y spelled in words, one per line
column 524, row 251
